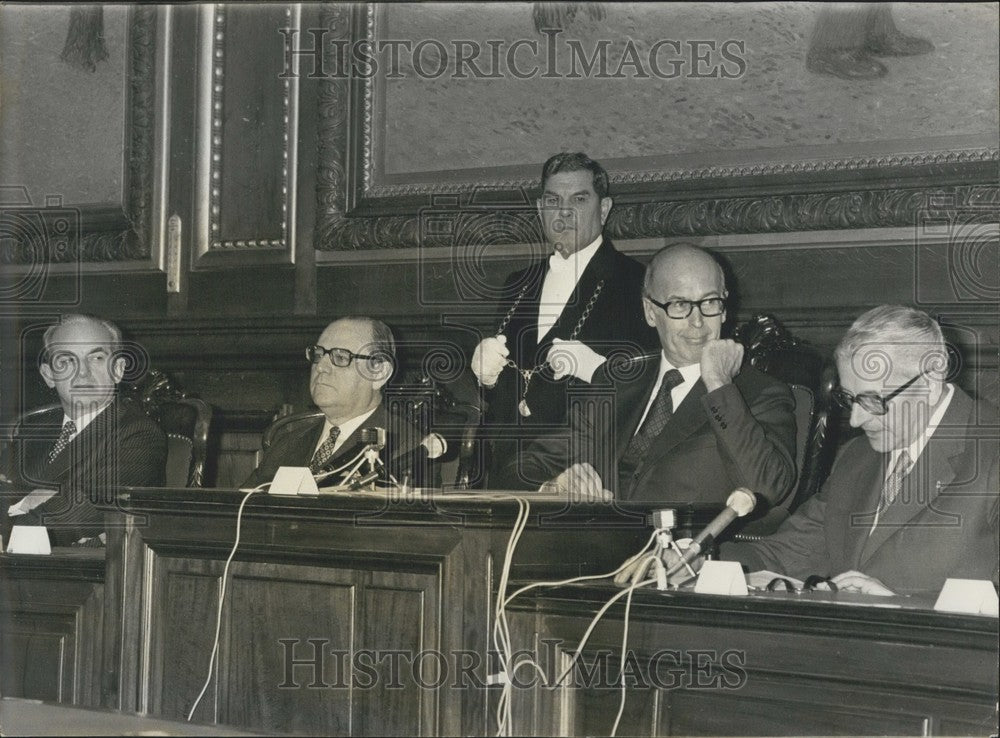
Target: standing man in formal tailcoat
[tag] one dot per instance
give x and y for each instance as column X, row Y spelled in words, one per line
column 580, row 304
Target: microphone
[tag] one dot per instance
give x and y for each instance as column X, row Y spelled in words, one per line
column 741, row 501
column 373, row 437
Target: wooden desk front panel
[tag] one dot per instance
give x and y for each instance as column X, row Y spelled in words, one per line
column 704, row 665
column 50, row 620
column 394, row 595
column 300, row 646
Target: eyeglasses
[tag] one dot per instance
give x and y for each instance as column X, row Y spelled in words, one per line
column 680, row 309
column 812, row 582
column 339, row 356
column 872, row 403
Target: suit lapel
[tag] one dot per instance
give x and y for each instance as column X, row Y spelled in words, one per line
column 868, row 478
column 79, row 452
column 683, row 423
column 523, row 326
column 633, row 397
column 352, row 445
column 933, row 471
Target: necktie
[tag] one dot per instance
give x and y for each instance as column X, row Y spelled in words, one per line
column 68, row 429
column 325, row 452
column 894, row 482
column 656, row 419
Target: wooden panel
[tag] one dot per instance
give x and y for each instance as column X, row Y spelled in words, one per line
column 38, row 656
column 51, row 613
column 700, row 665
column 400, row 614
column 254, row 147
column 247, row 113
column 185, row 593
column 236, row 458
column 279, row 615
column 371, row 585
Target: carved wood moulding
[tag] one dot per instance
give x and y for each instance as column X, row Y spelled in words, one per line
column 360, row 208
column 40, row 235
column 247, row 159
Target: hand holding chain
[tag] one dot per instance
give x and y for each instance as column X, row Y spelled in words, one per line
column 527, row 374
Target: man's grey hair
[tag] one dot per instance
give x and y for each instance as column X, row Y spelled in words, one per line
column 71, row 319
column 909, row 334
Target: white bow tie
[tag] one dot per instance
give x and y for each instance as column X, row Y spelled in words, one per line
column 560, row 265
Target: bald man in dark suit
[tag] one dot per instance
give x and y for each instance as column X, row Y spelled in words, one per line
column 687, row 424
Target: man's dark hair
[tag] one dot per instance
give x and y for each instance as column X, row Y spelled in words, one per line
column 576, row 162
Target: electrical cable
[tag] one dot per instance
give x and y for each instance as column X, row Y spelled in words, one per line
column 222, row 597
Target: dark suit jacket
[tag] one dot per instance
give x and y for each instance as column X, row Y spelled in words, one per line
column 943, row 524
column 296, row 448
column 120, row 447
column 615, row 324
column 740, row 435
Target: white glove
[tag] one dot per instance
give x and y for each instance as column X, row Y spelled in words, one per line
column 489, row 359
column 573, row 357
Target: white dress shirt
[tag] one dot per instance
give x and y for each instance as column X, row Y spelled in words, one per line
column 85, row 419
column 560, row 280
column 691, row 374
column 346, row 429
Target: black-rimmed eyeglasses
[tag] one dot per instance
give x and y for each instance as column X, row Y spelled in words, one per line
column 339, row 356
column 873, row 403
column 680, row 309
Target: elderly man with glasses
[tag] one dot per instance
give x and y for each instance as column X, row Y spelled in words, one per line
column 686, row 424
column 914, row 500
column 350, row 364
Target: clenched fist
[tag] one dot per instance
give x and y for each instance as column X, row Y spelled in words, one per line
column 721, row 359
column 573, row 358
column 489, row 359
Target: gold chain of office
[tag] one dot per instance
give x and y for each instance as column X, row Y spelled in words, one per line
column 527, row 374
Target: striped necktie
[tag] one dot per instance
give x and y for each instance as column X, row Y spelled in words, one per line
column 894, row 482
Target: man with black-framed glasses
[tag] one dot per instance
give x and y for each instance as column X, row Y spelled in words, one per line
column 690, row 423
column 912, row 502
column 350, row 363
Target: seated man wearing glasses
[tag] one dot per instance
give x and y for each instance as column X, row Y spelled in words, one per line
column 77, row 454
column 914, row 500
column 351, row 362
column 687, row 424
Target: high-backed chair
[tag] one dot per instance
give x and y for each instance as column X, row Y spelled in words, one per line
column 184, row 420
column 448, row 409
column 769, row 348
column 285, row 423
column 427, row 406
column 451, row 409
column 14, row 431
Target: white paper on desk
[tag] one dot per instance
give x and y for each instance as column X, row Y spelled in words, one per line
column 973, row 596
column 293, row 480
column 29, row 502
column 721, row 577
column 29, row 539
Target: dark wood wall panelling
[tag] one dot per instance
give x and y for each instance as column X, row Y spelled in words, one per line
column 235, row 331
